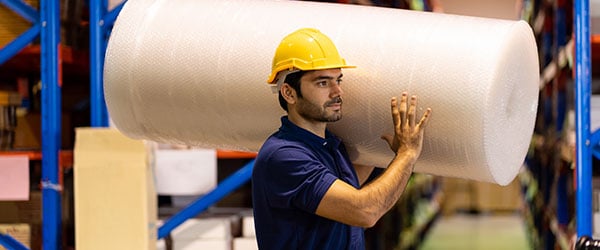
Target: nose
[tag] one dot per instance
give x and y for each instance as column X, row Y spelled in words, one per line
column 336, row 90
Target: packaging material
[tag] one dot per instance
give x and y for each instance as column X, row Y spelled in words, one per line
column 194, row 244
column 29, row 211
column 178, row 72
column 161, row 245
column 20, row 232
column 205, row 228
column 185, row 171
column 245, row 244
column 10, row 98
column 115, row 201
column 208, row 232
column 14, row 178
column 248, row 226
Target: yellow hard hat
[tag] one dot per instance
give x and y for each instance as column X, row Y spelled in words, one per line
column 306, row 49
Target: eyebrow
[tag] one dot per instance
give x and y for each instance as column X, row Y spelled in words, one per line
column 326, row 77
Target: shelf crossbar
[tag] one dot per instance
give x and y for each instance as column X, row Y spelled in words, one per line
column 16, row 45
column 10, row 243
column 22, row 9
column 226, row 186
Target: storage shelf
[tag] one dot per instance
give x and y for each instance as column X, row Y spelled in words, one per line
column 228, row 154
column 27, row 61
column 66, row 156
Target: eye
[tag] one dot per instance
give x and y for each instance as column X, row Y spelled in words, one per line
column 322, row 83
column 339, row 81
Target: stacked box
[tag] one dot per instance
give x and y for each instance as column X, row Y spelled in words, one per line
column 206, row 232
column 248, row 239
column 115, row 201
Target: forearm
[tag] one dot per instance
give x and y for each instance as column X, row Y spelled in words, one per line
column 378, row 196
column 364, row 207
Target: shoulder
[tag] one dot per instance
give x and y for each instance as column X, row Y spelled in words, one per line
column 276, row 148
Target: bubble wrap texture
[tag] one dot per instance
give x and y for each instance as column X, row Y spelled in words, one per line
column 194, row 72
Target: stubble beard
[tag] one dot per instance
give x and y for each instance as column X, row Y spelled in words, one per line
column 314, row 112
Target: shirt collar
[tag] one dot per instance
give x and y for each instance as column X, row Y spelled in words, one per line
column 292, row 129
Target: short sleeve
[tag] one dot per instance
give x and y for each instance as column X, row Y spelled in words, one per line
column 297, row 178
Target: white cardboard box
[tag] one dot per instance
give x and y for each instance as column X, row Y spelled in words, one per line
column 185, row 171
column 248, row 226
column 199, row 244
column 161, row 245
column 245, row 243
column 205, row 228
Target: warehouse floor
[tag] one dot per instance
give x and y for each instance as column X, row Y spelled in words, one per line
column 461, row 231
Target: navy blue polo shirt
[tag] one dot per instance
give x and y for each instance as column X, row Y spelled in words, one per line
column 293, row 171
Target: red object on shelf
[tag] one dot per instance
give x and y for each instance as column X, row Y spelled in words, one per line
column 228, row 154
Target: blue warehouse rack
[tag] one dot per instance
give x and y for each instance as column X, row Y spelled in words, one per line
column 47, row 24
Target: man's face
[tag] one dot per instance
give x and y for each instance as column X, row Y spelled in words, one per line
column 322, row 95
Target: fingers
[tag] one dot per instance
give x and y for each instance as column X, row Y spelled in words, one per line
column 411, row 111
column 395, row 115
column 403, row 109
column 424, row 119
column 405, row 113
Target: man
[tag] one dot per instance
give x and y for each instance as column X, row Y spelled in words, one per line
column 306, row 193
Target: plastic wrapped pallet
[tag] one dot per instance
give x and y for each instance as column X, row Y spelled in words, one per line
column 194, row 72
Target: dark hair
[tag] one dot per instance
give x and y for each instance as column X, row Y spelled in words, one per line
column 293, row 80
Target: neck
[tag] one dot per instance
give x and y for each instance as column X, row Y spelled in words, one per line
column 315, row 127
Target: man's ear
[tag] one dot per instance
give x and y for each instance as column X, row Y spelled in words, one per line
column 288, row 93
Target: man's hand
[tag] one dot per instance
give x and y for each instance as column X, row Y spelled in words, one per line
column 408, row 137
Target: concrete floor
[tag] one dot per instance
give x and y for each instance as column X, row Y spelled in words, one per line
column 488, row 232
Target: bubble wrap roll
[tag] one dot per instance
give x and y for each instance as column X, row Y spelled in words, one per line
column 194, row 72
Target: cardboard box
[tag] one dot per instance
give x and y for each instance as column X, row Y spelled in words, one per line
column 115, row 201
column 245, row 244
column 161, row 245
column 205, row 228
column 28, row 133
column 185, row 171
column 20, row 232
column 248, row 226
column 462, row 195
column 29, row 211
column 212, row 244
column 10, row 98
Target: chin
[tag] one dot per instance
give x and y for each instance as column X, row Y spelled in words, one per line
column 335, row 118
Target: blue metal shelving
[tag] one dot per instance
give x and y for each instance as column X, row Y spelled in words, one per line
column 582, row 121
column 46, row 22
